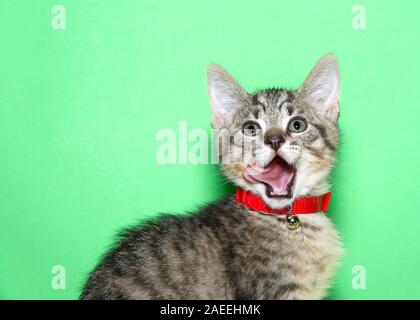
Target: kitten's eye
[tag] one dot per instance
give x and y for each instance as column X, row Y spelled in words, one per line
column 297, row 125
column 250, row 128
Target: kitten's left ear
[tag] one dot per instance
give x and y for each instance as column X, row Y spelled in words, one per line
column 321, row 88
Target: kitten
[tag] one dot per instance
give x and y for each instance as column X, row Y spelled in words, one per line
column 227, row 250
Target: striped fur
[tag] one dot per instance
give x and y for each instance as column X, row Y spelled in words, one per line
column 224, row 252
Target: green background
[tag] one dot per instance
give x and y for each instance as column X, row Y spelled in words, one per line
column 80, row 109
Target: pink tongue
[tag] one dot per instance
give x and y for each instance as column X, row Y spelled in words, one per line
column 277, row 175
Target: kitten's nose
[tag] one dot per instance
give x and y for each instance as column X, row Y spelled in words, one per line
column 274, row 137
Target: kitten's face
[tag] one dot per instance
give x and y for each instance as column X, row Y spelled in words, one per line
column 281, row 144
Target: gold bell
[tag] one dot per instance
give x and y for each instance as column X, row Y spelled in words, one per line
column 292, row 221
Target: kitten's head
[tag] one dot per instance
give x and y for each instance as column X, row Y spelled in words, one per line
column 277, row 143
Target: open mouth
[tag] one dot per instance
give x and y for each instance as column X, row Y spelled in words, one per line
column 278, row 177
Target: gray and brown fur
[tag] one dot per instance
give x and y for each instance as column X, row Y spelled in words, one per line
column 227, row 251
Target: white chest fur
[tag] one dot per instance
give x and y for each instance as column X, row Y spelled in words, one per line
column 306, row 257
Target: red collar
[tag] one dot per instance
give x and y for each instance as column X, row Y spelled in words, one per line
column 300, row 205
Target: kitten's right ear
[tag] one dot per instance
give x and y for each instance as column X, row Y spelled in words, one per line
column 225, row 94
column 321, row 88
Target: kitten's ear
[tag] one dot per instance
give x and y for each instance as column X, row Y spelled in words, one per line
column 225, row 94
column 321, row 88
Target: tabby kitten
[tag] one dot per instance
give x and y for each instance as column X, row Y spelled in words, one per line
column 226, row 250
